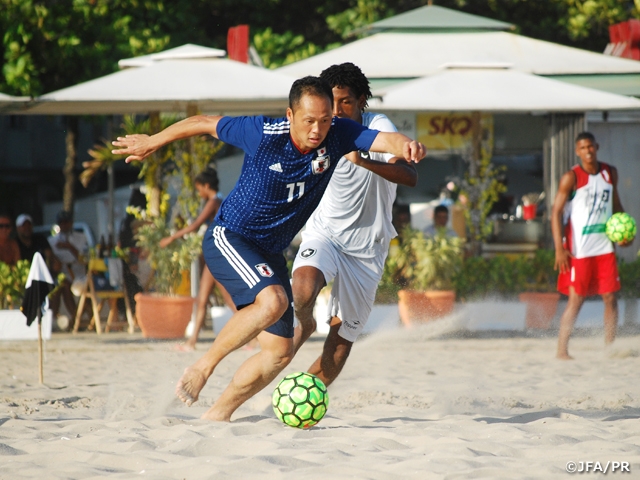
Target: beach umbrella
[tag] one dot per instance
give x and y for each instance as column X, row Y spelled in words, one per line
column 39, row 285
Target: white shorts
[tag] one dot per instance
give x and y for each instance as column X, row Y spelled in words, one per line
column 355, row 281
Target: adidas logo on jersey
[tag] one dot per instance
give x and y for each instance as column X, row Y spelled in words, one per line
column 276, row 167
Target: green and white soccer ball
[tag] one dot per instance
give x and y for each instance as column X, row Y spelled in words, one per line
column 300, row 400
column 621, row 227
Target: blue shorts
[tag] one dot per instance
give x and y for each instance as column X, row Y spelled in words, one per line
column 244, row 270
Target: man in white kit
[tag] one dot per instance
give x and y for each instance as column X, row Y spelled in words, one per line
column 347, row 237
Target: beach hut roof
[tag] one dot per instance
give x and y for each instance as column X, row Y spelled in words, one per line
column 435, row 18
column 188, row 51
column 215, row 85
column 402, row 55
column 495, row 90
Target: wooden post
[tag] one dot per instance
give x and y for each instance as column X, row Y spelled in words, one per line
column 40, row 359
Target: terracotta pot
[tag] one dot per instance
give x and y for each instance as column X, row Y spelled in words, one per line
column 163, row 316
column 541, row 308
column 419, row 307
column 441, row 302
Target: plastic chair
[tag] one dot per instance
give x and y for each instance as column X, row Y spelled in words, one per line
column 99, row 297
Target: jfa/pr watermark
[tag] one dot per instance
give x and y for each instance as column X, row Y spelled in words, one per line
column 598, row 467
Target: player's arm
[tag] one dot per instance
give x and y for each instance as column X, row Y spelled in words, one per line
column 398, row 145
column 567, row 184
column 139, row 147
column 396, row 170
column 617, row 204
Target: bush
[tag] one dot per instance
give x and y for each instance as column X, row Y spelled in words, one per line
column 629, row 278
column 13, row 280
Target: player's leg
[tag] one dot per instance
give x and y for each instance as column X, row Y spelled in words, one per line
column 351, row 301
column 610, row 317
column 255, row 286
column 253, row 375
column 314, row 266
column 307, row 283
column 608, row 283
column 334, row 355
column 567, row 320
column 269, row 305
column 276, row 350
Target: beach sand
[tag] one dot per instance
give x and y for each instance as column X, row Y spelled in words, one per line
column 418, row 403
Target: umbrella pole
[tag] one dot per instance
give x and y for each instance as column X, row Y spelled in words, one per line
column 40, row 362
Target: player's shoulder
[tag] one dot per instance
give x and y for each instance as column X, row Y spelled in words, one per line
column 378, row 121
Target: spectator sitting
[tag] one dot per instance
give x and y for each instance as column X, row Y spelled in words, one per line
column 69, row 248
column 439, row 226
column 9, row 249
column 29, row 242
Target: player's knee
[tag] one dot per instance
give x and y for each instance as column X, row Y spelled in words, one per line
column 280, row 356
column 610, row 299
column 273, row 302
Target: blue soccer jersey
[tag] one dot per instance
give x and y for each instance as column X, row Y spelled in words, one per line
column 280, row 187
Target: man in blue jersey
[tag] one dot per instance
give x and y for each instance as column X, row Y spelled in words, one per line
column 287, row 166
column 346, row 240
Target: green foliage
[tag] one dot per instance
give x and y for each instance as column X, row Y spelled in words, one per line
column 629, row 278
column 420, row 263
column 482, row 188
column 540, row 272
column 13, row 279
column 50, row 45
column 505, row 277
column 169, row 262
column 363, row 13
column 277, row 50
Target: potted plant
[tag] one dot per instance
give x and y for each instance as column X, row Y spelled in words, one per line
column 425, row 268
column 161, row 312
column 540, row 293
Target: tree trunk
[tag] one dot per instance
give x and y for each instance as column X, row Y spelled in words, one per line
column 71, row 143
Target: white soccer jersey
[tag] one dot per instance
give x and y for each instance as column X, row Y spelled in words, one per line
column 355, row 211
column 588, row 211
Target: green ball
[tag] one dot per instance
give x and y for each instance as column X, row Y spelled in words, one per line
column 300, row 400
column 621, row 227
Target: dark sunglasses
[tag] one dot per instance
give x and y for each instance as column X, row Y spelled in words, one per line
column 5, row 225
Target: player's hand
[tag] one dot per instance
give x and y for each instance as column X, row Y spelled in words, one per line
column 414, row 151
column 626, row 243
column 562, row 260
column 137, row 147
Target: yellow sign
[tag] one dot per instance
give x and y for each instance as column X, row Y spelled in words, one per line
column 452, row 131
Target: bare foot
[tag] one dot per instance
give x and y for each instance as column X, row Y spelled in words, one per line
column 564, row 356
column 183, row 347
column 189, row 386
column 214, row 416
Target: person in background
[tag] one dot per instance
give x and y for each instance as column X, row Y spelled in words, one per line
column 206, row 183
column 70, row 249
column 439, row 226
column 30, row 242
column 9, row 249
column 585, row 257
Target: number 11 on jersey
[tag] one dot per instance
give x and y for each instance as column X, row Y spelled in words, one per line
column 292, row 190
